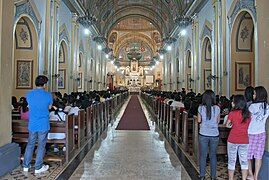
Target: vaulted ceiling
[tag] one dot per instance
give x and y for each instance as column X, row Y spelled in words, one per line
column 160, row 13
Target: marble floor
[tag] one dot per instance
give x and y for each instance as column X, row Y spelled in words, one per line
column 131, row 155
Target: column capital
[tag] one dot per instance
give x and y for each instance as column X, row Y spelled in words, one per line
column 58, row 3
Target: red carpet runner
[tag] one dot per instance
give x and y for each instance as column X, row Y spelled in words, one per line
column 133, row 117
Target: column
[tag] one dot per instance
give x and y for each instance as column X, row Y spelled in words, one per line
column 195, row 55
column 222, row 48
column 54, row 45
column 6, row 51
column 72, row 67
column 47, row 54
column 215, row 49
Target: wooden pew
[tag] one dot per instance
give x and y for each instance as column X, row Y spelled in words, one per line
column 178, row 126
column 81, row 131
column 223, row 137
column 185, row 131
column 89, row 122
column 20, row 135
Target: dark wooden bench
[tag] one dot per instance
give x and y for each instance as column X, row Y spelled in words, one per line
column 20, row 135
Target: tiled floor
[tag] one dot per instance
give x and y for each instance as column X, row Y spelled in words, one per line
column 131, row 155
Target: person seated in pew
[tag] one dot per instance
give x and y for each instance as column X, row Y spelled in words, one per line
column 75, row 106
column 24, row 110
column 208, row 117
column 14, row 103
column 238, row 121
column 177, row 103
column 57, row 114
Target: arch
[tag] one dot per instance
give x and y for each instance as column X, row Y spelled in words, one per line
column 64, row 35
column 81, row 47
column 63, row 51
column 25, row 50
column 188, row 45
column 62, row 80
column 140, row 11
column 243, row 59
column 206, row 64
column 239, row 6
column 207, row 31
column 29, row 10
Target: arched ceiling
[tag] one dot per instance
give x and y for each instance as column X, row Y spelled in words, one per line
column 160, row 13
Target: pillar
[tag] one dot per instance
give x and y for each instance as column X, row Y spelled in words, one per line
column 215, row 48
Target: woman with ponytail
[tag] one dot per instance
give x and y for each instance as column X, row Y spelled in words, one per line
column 208, row 116
column 238, row 121
column 256, row 132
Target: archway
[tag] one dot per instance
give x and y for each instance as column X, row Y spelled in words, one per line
column 206, row 65
column 188, row 70
column 242, row 53
column 63, row 67
column 25, row 63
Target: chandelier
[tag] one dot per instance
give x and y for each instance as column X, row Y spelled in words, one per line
column 183, row 21
column 87, row 20
column 134, row 55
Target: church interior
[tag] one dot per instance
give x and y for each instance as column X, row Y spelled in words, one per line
column 134, row 74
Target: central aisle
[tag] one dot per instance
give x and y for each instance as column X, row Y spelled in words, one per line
column 131, row 155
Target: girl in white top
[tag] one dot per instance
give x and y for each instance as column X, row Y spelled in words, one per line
column 259, row 113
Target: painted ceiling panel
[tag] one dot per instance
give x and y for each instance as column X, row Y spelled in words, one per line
column 162, row 12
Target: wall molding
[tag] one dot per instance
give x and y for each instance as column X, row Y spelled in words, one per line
column 206, row 32
column 238, row 6
column 63, row 35
column 188, row 45
column 28, row 9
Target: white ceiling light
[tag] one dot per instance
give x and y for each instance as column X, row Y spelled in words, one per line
column 169, row 48
column 161, row 56
column 107, row 56
column 183, row 32
column 99, row 47
column 86, row 31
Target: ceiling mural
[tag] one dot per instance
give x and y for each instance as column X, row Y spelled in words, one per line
column 161, row 13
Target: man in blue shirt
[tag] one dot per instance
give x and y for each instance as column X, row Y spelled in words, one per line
column 40, row 101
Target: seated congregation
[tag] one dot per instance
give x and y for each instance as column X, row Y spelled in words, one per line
column 73, row 119
column 227, row 128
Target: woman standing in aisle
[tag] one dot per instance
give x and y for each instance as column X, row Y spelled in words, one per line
column 208, row 116
column 256, row 132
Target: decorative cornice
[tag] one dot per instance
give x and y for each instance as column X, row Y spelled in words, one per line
column 27, row 9
column 188, row 45
column 206, row 32
column 63, row 34
column 169, row 40
column 240, row 5
column 107, row 50
column 100, row 39
column 87, row 20
column 183, row 21
column 162, row 51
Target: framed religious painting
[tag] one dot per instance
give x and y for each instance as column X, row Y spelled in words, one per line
column 189, row 58
column 24, row 75
column 207, row 79
column 62, row 53
column 62, row 79
column 243, row 75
